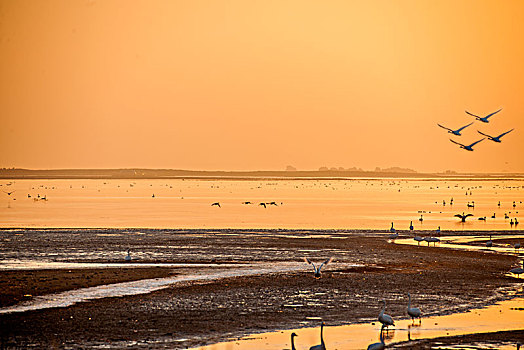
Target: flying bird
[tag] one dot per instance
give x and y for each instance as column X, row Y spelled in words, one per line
column 217, row 204
column 462, row 216
column 317, row 269
column 455, row 132
column 468, row 147
column 262, row 204
column 495, row 138
column 249, row 203
column 8, row 193
column 483, row 119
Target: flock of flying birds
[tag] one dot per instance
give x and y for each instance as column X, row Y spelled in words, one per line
column 483, row 120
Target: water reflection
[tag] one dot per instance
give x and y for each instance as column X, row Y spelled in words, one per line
column 503, row 316
column 71, row 297
column 475, row 242
column 307, row 203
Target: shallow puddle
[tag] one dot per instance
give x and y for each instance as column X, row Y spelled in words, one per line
column 503, row 316
column 71, row 297
column 52, row 265
column 461, row 242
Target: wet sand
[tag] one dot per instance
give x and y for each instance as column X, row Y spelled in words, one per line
column 18, row 286
column 367, row 268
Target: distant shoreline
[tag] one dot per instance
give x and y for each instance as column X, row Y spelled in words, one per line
column 9, row 174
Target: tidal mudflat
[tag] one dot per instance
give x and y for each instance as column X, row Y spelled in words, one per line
column 279, row 292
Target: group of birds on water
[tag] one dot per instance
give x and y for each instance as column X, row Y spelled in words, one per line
column 485, row 119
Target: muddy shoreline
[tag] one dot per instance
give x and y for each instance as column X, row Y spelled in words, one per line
column 366, row 269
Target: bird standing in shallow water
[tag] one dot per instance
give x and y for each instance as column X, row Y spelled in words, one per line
column 385, row 319
column 128, row 256
column 322, row 345
column 413, row 312
column 489, row 243
column 378, row 346
column 293, row 335
column 518, row 270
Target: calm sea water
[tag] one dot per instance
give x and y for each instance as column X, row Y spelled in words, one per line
column 340, row 204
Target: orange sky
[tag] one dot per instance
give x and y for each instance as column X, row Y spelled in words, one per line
column 242, row 85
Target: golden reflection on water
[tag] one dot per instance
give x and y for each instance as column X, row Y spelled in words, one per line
column 342, row 203
column 466, row 243
column 506, row 315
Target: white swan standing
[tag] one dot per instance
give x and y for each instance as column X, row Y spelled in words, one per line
column 385, row 319
column 317, row 269
column 413, row 312
column 322, row 345
column 378, row 346
column 455, row 132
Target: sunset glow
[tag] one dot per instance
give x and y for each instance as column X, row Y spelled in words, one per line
column 250, row 85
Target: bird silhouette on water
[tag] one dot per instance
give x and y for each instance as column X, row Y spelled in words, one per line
column 378, row 346
column 463, row 216
column 293, row 335
column 322, row 345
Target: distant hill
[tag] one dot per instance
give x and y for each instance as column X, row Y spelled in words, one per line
column 393, row 172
